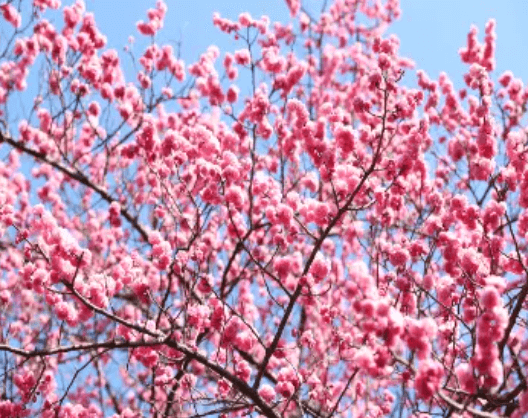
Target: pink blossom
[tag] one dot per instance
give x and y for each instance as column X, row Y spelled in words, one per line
column 243, row 371
column 242, row 57
column 319, row 268
column 10, row 13
column 399, row 256
column 267, row 393
column 232, row 94
column 466, row 378
column 286, row 389
column 428, row 379
column 345, row 139
column 294, row 6
column 281, row 240
column 490, row 297
column 364, row 358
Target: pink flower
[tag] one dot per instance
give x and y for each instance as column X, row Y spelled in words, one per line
column 286, row 389
column 235, row 196
column 505, row 78
column 43, row 4
column 319, row 268
column 294, row 6
column 398, row 256
column 245, row 19
column 242, row 57
column 428, row 379
column 364, row 358
column 465, row 376
column 282, row 266
column 267, row 393
column 11, row 14
column 242, row 370
column 345, row 139
column 232, row 94
column 245, row 341
column 490, row 297
column 155, row 22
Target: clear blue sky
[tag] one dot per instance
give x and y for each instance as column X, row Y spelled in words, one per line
column 431, row 31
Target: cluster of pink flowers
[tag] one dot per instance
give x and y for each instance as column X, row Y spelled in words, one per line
column 490, row 330
column 428, row 379
column 155, row 19
column 287, row 249
column 11, row 15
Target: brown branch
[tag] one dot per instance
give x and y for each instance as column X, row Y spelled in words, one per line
column 521, row 298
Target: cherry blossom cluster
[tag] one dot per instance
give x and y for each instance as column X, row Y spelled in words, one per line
column 321, row 240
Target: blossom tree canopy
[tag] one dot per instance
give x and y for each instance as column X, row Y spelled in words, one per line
column 320, row 240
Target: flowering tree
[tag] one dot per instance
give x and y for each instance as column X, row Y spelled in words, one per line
column 331, row 244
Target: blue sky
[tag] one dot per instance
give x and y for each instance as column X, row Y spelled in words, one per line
column 431, row 31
